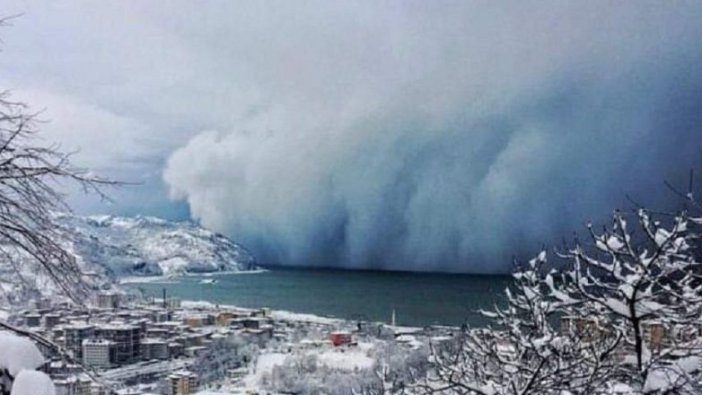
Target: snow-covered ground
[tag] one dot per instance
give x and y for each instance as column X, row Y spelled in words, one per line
column 18, row 353
column 272, row 367
column 355, row 358
column 290, row 316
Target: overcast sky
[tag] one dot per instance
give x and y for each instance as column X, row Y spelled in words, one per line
column 395, row 134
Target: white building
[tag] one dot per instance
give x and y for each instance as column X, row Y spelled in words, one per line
column 97, row 352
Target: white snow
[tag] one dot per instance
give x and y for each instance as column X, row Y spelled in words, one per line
column 18, row 353
column 346, row 359
column 343, row 359
column 267, row 361
column 31, row 382
column 617, row 306
column 173, row 265
column 662, row 236
column 152, row 246
column 264, row 366
column 290, row 316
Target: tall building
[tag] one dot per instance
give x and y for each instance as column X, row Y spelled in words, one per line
column 108, row 300
column 126, row 341
column 154, row 349
column 74, row 335
column 182, row 383
column 51, row 320
column 97, row 353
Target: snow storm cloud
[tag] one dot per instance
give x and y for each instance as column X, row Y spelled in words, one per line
column 410, row 135
column 427, row 139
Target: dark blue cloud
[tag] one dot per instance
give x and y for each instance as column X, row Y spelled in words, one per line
column 464, row 191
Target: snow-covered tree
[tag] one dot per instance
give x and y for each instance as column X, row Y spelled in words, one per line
column 31, row 176
column 31, row 382
column 646, row 284
column 220, row 356
column 622, row 312
column 395, row 369
column 30, row 173
column 525, row 351
column 18, row 355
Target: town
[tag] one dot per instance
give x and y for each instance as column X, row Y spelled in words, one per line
column 123, row 345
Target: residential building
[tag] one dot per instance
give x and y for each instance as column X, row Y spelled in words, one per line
column 51, row 320
column 224, row 318
column 175, row 349
column 108, row 300
column 154, row 349
column 182, row 383
column 97, row 353
column 74, row 334
column 32, row 320
column 126, row 339
column 340, row 338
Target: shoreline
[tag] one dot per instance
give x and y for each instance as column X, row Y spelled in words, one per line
column 172, row 279
column 286, row 315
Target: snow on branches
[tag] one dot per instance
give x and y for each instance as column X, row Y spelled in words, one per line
column 19, row 357
column 622, row 314
column 31, row 382
column 646, row 284
column 31, row 175
column 524, row 352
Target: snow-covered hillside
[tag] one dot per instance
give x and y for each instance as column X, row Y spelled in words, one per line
column 142, row 246
column 110, row 248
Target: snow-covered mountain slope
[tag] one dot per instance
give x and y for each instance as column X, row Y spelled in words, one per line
column 139, row 246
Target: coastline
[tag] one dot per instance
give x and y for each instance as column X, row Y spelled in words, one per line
column 285, row 315
column 172, row 279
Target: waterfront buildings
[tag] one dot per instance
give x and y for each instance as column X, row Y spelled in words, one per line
column 136, row 348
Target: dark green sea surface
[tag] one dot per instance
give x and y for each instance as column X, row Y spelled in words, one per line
column 419, row 299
